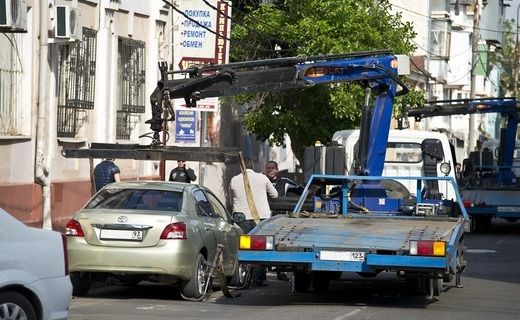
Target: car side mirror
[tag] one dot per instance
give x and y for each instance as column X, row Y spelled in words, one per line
column 239, row 217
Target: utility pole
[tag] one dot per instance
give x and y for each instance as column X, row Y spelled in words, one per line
column 472, row 137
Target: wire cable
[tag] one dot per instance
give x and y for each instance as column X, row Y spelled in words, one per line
column 247, row 27
column 213, row 32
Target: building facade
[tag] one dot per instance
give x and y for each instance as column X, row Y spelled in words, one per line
column 81, row 73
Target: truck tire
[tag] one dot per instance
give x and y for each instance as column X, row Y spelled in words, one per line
column 302, row 281
column 80, row 284
column 13, row 305
column 193, row 288
column 413, row 285
column 480, row 224
column 437, row 287
column 321, row 281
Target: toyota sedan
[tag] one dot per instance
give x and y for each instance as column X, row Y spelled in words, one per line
column 155, row 231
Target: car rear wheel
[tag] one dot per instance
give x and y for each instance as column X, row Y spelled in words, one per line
column 240, row 276
column 194, row 287
column 80, row 284
column 15, row 306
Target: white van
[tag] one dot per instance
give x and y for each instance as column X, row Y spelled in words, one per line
column 405, row 156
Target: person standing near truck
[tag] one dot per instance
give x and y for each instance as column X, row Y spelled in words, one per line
column 106, row 172
column 261, row 189
column 182, row 173
column 282, row 186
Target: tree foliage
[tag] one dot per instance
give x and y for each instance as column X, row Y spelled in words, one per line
column 504, row 59
column 310, row 28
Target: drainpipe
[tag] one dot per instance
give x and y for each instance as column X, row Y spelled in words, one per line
column 41, row 168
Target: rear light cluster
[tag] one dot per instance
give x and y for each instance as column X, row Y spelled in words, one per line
column 467, row 203
column 428, row 248
column 257, row 242
column 175, row 230
column 74, row 229
column 471, row 204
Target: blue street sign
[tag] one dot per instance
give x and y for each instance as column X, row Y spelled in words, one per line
column 185, row 121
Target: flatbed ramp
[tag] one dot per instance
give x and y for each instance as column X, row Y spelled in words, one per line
column 366, row 233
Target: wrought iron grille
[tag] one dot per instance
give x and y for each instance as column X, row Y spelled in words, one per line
column 11, row 71
column 126, row 122
column 76, row 83
column 131, row 84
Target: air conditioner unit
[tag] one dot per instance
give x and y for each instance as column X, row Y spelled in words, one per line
column 67, row 23
column 13, row 15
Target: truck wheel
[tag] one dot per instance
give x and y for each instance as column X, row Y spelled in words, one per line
column 15, row 306
column 437, row 287
column 413, row 285
column 80, row 284
column 321, row 281
column 480, row 224
column 194, row 287
column 302, row 281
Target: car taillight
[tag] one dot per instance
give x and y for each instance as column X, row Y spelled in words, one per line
column 73, row 229
column 467, row 203
column 428, row 248
column 256, row 242
column 65, row 253
column 175, row 230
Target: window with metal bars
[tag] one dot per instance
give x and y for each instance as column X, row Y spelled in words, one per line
column 76, row 83
column 131, row 85
column 10, row 84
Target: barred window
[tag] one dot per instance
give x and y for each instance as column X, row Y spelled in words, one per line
column 10, row 84
column 76, row 83
column 131, row 85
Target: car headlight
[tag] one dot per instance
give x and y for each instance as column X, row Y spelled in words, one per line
column 445, row 168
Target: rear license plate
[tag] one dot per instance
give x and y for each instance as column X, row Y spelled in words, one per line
column 132, row 235
column 342, row 255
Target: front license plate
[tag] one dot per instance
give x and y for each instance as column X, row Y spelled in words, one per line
column 132, row 235
column 342, row 255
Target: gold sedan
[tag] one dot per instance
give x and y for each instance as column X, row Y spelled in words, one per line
column 155, row 231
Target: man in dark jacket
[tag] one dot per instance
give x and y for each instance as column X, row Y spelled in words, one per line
column 182, row 173
column 106, row 172
column 282, row 184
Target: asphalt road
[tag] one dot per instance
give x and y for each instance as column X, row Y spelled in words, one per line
column 491, row 290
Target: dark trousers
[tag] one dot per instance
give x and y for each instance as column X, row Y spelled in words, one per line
column 259, row 272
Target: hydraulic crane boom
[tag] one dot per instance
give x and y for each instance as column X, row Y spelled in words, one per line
column 377, row 71
column 507, row 107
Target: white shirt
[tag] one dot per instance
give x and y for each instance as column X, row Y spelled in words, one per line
column 261, row 187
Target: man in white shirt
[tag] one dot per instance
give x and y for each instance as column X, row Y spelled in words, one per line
column 261, row 188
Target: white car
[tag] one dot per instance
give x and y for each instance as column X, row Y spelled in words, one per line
column 34, row 280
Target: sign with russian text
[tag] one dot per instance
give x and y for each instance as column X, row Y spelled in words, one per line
column 185, row 125
column 202, row 39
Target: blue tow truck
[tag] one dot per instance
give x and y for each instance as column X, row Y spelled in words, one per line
column 366, row 223
column 490, row 185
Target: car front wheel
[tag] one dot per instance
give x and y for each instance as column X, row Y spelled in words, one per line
column 15, row 306
column 194, row 287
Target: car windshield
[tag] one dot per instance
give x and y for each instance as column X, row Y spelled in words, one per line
column 141, row 199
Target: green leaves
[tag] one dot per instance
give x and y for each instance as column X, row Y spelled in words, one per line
column 313, row 27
